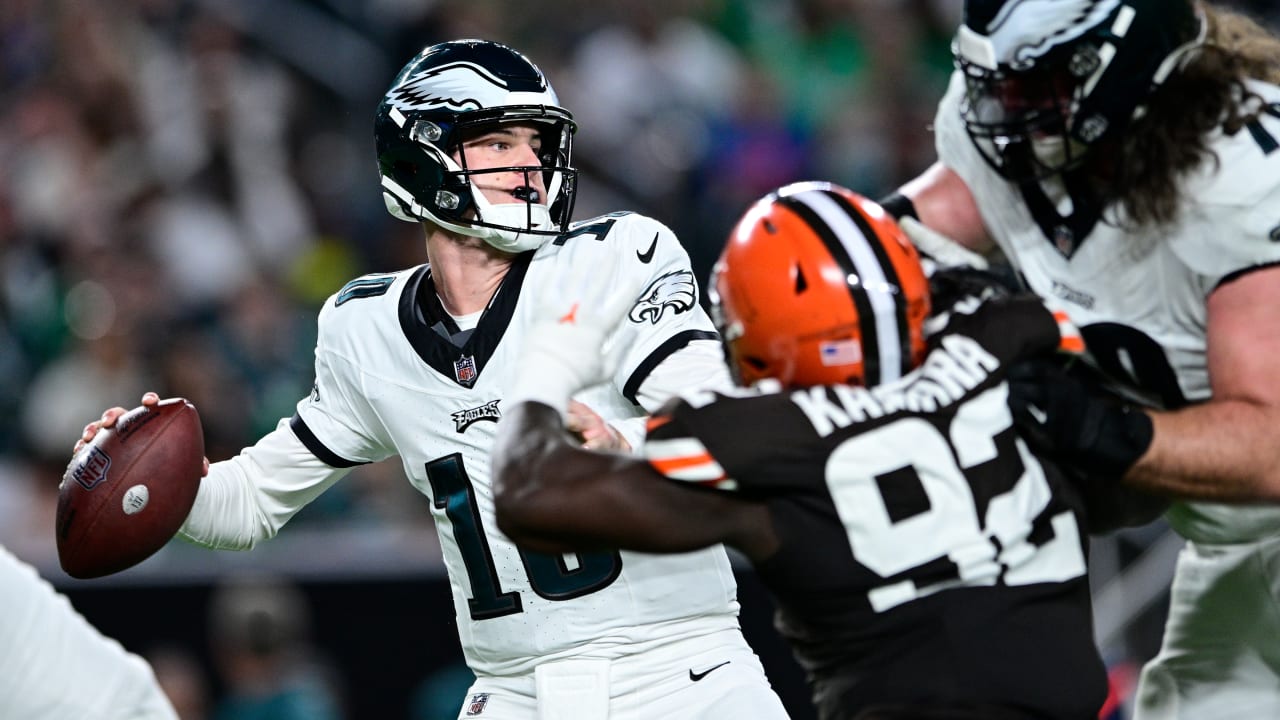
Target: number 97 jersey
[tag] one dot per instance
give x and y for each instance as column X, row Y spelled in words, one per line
column 926, row 555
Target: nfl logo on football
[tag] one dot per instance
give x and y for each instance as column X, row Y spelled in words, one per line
column 93, row 470
column 478, row 701
column 464, row 368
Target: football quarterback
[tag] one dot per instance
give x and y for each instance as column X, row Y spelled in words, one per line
column 422, row 363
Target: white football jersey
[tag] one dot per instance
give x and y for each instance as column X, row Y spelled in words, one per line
column 55, row 665
column 1139, row 297
column 389, row 381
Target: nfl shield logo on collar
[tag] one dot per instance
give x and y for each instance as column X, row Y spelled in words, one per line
column 478, row 701
column 464, row 369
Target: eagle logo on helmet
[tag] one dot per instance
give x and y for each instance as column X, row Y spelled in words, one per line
column 451, row 86
column 675, row 290
column 447, row 91
column 1027, row 29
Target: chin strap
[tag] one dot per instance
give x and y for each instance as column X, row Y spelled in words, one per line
column 519, row 214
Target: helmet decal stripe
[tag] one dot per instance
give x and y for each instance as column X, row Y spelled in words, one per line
column 851, row 250
column 858, row 319
column 892, row 279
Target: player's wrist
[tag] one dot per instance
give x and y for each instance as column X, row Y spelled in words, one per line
column 1123, row 434
column 1064, row 417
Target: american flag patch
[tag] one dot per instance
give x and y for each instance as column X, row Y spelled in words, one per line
column 840, row 352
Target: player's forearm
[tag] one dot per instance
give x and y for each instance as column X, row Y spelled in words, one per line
column 1223, row 450
column 224, row 516
column 524, row 485
column 550, row 496
column 943, row 203
column 547, row 493
column 248, row 498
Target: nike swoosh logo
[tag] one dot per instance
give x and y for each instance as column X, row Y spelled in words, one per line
column 695, row 677
column 647, row 255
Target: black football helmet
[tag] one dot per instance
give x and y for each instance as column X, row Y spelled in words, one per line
column 447, row 92
column 1046, row 80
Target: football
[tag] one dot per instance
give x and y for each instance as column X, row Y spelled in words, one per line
column 126, row 493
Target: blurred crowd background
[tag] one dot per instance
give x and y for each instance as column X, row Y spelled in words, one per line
column 183, row 182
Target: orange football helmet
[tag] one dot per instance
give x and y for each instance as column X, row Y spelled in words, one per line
column 818, row 285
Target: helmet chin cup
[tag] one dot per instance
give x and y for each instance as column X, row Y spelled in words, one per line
column 537, row 218
column 515, row 242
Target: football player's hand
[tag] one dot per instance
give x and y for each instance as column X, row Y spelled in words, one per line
column 595, row 433
column 1074, row 421
column 108, row 420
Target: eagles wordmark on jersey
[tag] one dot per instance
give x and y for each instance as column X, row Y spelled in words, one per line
column 392, row 381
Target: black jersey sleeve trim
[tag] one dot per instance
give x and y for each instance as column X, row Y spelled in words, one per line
column 317, row 448
column 664, row 351
column 1233, row 276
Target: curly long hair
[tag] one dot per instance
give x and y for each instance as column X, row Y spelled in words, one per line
column 1172, row 138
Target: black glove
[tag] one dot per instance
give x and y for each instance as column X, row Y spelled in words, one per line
column 1074, row 421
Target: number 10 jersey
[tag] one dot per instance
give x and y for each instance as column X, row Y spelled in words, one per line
column 396, row 376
